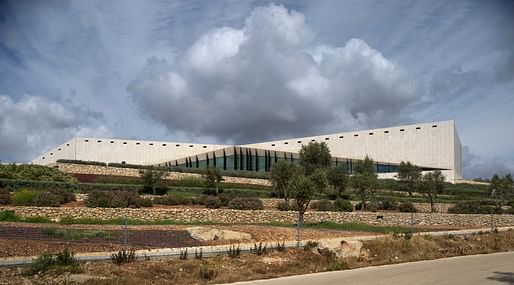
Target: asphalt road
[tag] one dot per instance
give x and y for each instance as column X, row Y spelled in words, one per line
column 495, row 268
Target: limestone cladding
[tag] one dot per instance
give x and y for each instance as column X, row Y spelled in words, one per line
column 265, row 216
column 132, row 172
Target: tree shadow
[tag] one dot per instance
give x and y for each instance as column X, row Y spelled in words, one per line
column 505, row 277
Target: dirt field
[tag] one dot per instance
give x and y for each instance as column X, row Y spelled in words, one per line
column 221, row 269
column 22, row 239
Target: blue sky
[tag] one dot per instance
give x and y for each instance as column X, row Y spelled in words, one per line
column 246, row 71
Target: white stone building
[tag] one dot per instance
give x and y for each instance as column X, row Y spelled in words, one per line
column 430, row 146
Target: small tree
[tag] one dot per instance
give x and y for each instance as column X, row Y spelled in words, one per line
column 364, row 180
column 432, row 183
column 319, row 178
column 338, row 178
column 280, row 176
column 409, row 176
column 302, row 190
column 212, row 177
column 501, row 187
column 153, row 178
column 313, row 156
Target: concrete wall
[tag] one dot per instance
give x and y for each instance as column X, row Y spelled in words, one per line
column 264, row 216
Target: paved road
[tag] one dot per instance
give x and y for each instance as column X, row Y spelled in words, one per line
column 495, row 268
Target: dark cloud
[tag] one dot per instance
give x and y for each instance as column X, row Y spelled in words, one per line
column 474, row 166
column 268, row 79
column 34, row 123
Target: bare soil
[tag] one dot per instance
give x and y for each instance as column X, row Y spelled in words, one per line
column 22, row 239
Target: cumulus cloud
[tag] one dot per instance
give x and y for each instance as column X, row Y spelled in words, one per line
column 33, row 123
column 270, row 78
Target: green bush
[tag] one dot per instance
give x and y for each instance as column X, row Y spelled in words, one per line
column 174, row 199
column 388, row 204
column 342, row 205
column 475, row 207
column 5, row 197
column 246, row 203
column 34, row 172
column 47, row 199
column 64, row 260
column 146, row 202
column 9, row 216
column 322, row 205
column 371, row 207
column 407, row 208
column 113, row 199
column 284, row 206
column 212, row 202
column 24, row 197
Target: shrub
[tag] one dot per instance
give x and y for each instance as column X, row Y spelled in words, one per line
column 146, row 202
column 407, row 207
column 207, row 273
column 342, row 205
column 310, row 245
column 64, row 195
column 372, row 207
column 474, row 207
column 5, row 197
column 24, row 197
column 113, row 199
column 322, row 205
column 246, row 203
column 64, row 260
column 388, row 204
column 47, row 199
column 284, row 206
column 123, row 256
column 9, row 216
column 212, row 202
column 174, row 199
column 159, row 190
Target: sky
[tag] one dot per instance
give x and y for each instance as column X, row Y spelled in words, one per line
column 236, row 72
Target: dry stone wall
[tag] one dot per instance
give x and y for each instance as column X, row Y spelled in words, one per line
column 132, row 172
column 265, row 216
column 421, row 207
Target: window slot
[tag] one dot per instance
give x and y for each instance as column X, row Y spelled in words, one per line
column 286, row 143
column 86, row 140
column 434, row 126
column 299, row 141
column 370, row 134
column 150, row 143
column 327, row 139
column 177, row 145
column 386, row 132
column 124, row 142
column 137, row 143
column 356, row 135
column 272, row 144
column 163, row 144
column 402, row 130
column 341, row 137
column 418, row 128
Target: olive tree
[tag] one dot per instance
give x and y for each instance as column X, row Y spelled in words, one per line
column 302, row 189
column 152, row 178
column 338, row 178
column 212, row 177
column 364, row 180
column 432, row 183
column 409, row 176
column 280, row 176
column 313, row 156
column 501, row 187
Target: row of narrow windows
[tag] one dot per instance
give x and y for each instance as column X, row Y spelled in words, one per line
column 138, row 143
column 356, row 135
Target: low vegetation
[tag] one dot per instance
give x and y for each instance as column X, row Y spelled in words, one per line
column 63, row 261
column 34, row 172
column 277, row 263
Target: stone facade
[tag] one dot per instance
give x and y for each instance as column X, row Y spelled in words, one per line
column 132, row 172
column 265, row 216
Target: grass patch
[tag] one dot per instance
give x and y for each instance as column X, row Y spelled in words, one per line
column 11, row 216
column 119, row 221
column 350, row 227
column 70, row 234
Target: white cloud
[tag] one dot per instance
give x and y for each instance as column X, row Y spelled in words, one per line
column 34, row 123
column 269, row 79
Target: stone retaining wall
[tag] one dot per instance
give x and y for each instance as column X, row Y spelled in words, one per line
column 421, row 207
column 132, row 172
column 264, row 216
